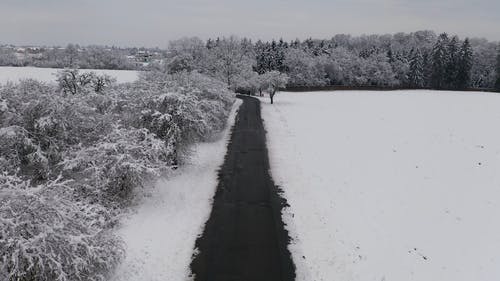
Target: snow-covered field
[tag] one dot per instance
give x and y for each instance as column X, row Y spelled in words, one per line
column 160, row 236
column 389, row 186
column 14, row 74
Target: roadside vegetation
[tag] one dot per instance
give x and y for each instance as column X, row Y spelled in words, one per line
column 75, row 156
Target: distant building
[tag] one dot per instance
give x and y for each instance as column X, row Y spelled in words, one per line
column 143, row 58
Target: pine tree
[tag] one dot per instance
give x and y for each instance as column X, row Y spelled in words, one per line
column 272, row 63
column 261, row 57
column 439, row 62
column 452, row 63
column 280, row 55
column 416, row 77
column 464, row 65
column 390, row 56
column 427, row 64
column 497, row 84
column 295, row 44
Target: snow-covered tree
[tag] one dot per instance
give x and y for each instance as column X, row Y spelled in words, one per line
column 440, row 61
column 71, row 52
column 416, row 76
column 229, row 59
column 248, row 82
column 483, row 63
column 378, row 71
column 75, row 82
column 464, row 65
column 274, row 80
column 186, row 54
column 453, row 57
column 304, row 69
column 342, row 67
column 497, row 83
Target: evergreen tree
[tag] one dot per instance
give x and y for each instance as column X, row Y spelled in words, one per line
column 295, row 44
column 416, row 77
column 260, row 57
column 280, row 55
column 273, row 59
column 427, row 64
column 497, row 84
column 439, row 62
column 464, row 65
column 452, row 63
column 390, row 56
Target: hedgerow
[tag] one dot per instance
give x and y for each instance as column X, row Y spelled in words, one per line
column 71, row 161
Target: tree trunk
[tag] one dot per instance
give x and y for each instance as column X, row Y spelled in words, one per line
column 271, row 95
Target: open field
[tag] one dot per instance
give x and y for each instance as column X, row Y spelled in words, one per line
column 14, row 74
column 401, row 185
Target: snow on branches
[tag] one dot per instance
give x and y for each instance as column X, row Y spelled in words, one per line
column 73, row 157
column 45, row 236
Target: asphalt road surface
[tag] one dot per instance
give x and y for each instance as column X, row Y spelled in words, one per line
column 244, row 238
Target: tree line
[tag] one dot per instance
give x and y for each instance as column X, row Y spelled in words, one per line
column 76, row 56
column 415, row 60
column 418, row 60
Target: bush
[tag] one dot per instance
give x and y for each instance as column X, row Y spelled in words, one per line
column 109, row 171
column 44, row 236
column 73, row 157
column 181, row 108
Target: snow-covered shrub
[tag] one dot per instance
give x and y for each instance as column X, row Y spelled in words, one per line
column 71, row 163
column 45, row 236
column 42, row 123
column 20, row 153
column 101, row 82
column 110, row 170
column 181, row 108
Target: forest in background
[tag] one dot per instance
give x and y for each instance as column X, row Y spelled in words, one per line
column 417, row 60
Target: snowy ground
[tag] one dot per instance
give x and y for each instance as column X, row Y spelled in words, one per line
column 14, row 74
column 389, row 186
column 160, row 237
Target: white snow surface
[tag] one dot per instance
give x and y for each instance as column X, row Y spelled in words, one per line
column 389, row 186
column 48, row 75
column 160, row 236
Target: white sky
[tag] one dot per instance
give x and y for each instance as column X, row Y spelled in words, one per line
column 155, row 22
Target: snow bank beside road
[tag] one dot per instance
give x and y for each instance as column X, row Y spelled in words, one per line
column 160, row 237
column 14, row 74
column 399, row 185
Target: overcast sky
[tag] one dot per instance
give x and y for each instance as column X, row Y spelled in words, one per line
column 155, row 22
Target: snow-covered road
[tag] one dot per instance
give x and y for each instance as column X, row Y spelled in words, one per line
column 389, row 186
column 160, row 236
